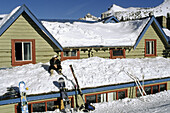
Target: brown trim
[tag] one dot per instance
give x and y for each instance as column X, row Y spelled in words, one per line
column 71, row 57
column 107, row 94
column 155, row 48
column 45, row 101
column 114, row 57
column 19, row 63
column 16, row 105
column 152, row 87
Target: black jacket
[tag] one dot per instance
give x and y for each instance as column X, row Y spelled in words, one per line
column 57, row 62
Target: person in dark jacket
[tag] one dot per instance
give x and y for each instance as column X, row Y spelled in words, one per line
column 55, row 64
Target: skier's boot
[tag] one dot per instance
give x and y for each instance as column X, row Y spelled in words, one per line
column 51, row 72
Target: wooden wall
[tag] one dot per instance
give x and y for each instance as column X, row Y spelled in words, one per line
column 25, row 28
column 7, row 108
column 139, row 52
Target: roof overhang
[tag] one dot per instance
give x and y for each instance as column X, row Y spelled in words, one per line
column 22, row 9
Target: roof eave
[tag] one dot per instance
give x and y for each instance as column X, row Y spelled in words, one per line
column 23, row 8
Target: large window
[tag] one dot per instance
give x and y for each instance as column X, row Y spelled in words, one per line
column 152, row 89
column 150, row 47
column 106, row 96
column 43, row 106
column 23, row 51
column 70, row 54
column 117, row 53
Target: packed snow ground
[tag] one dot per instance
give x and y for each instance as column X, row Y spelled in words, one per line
column 90, row 72
column 157, row 103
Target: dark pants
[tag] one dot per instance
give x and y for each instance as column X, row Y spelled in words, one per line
column 52, row 67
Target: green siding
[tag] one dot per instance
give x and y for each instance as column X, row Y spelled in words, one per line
column 25, row 28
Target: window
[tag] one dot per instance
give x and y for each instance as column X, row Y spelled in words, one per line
column 23, row 52
column 39, row 107
column 67, row 54
column 70, row 53
column 162, row 87
column 106, row 96
column 91, row 99
column 121, row 94
column 150, row 47
column 117, row 53
column 152, row 89
column 148, row 90
column 43, row 106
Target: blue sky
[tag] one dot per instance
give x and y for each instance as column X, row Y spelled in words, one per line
column 71, row 9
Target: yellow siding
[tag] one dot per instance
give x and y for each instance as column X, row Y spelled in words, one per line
column 139, row 52
column 7, row 108
column 25, row 28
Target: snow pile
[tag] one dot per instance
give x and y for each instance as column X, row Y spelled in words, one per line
column 134, row 13
column 90, row 72
column 167, row 32
column 96, row 34
column 157, row 103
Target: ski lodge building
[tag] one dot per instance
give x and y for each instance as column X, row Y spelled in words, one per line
column 24, row 39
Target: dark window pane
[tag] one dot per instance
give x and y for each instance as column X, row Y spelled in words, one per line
column 99, row 98
column 148, row 90
column 91, row 99
column 74, row 53
column 27, row 51
column 147, row 48
column 155, row 89
column 18, row 51
column 118, row 52
column 39, row 107
column 162, row 87
column 66, row 53
column 51, row 105
column 121, row 94
column 138, row 93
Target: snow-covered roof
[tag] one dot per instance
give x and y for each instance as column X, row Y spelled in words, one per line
column 91, row 72
column 167, row 32
column 79, row 34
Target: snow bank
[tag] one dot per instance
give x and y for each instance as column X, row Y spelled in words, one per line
column 157, row 103
column 90, row 72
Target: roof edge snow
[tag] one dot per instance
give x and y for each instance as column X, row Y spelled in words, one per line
column 152, row 19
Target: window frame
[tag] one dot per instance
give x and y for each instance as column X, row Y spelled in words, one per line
column 114, row 57
column 45, row 101
column 19, row 63
column 155, row 48
column 70, row 57
column 152, row 87
column 96, row 94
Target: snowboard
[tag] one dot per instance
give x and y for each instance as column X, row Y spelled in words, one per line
column 64, row 96
column 23, row 99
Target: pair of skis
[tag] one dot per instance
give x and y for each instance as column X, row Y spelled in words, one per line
column 81, row 102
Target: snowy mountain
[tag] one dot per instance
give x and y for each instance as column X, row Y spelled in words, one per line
column 136, row 12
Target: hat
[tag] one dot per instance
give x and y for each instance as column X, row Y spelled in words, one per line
column 55, row 56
